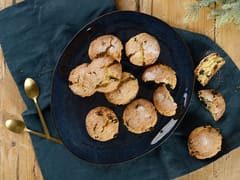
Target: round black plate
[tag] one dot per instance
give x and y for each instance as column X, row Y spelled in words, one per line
column 69, row 111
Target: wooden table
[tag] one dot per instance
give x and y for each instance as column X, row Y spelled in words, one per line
column 17, row 157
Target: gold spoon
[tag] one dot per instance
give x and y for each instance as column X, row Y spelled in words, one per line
column 18, row 127
column 32, row 91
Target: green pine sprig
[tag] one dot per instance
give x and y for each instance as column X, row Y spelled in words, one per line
column 224, row 11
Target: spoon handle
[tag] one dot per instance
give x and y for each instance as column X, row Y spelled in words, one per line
column 35, row 133
column 56, row 140
column 43, row 122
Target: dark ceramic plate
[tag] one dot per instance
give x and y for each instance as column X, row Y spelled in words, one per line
column 69, row 111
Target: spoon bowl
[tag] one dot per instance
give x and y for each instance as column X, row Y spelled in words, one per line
column 19, row 127
column 15, row 126
column 31, row 88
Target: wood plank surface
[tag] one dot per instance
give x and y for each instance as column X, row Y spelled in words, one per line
column 17, row 157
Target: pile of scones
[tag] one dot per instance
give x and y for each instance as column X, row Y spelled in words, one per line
column 104, row 74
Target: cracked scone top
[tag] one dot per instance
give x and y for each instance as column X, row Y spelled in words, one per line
column 102, row 124
column 126, row 91
column 102, row 75
column 142, row 49
column 108, row 71
column 106, row 45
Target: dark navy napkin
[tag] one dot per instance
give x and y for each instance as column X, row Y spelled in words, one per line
column 33, row 35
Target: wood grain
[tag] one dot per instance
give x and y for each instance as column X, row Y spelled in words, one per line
column 174, row 13
column 228, row 37
column 17, row 157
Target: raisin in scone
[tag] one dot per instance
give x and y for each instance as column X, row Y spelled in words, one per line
column 164, row 102
column 81, row 82
column 214, row 102
column 126, row 91
column 208, row 67
column 204, row 142
column 140, row 116
column 102, row 124
column 106, row 45
column 142, row 49
column 160, row 73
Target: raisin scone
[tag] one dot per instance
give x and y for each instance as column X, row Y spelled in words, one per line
column 208, row 67
column 164, row 102
column 102, row 75
column 160, row 73
column 107, row 72
column 102, row 124
column 204, row 142
column 126, row 91
column 81, row 82
column 140, row 116
column 142, row 49
column 213, row 101
column 106, row 45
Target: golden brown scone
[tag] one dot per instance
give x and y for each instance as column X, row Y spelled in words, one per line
column 140, row 116
column 112, row 78
column 81, row 83
column 102, row 124
column 107, row 73
column 214, row 102
column 103, row 75
column 208, row 67
column 204, row 142
column 126, row 91
column 160, row 73
column 164, row 102
column 106, row 45
column 142, row 49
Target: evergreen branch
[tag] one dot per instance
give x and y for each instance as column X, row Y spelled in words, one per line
column 224, row 11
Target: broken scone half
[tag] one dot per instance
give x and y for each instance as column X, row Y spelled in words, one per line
column 207, row 67
column 214, row 102
column 142, row 49
column 160, row 73
column 164, row 102
column 106, row 45
column 204, row 142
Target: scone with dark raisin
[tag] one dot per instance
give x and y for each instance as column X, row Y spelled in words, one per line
column 208, row 67
column 214, row 102
column 102, row 124
column 160, row 73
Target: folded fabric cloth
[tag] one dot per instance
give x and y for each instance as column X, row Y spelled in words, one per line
column 33, row 35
